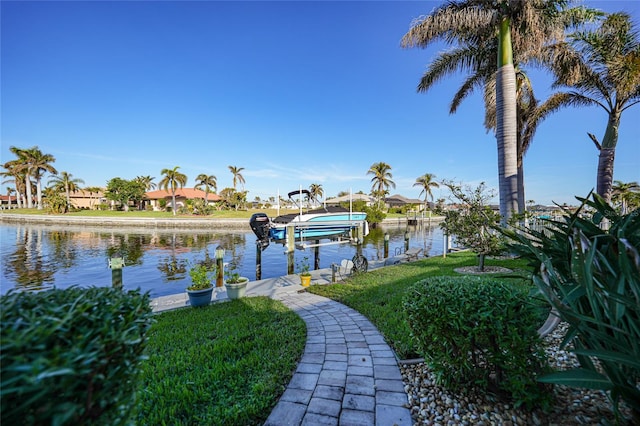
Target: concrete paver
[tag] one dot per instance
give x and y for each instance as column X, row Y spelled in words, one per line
column 348, row 375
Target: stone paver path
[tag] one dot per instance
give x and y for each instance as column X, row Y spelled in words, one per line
column 348, row 374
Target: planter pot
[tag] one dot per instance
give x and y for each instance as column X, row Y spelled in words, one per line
column 305, row 280
column 237, row 290
column 200, row 297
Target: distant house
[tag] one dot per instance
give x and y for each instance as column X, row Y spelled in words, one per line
column 83, row 199
column 369, row 200
column 8, row 201
column 399, row 201
column 182, row 195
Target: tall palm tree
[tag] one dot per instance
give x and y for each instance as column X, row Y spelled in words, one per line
column 237, row 176
column 147, row 181
column 16, row 174
column 39, row 165
column 626, row 194
column 67, row 183
column 21, row 167
column 207, row 182
column 601, row 67
column 172, row 179
column 484, row 30
column 526, row 109
column 426, row 182
column 316, row 191
column 381, row 180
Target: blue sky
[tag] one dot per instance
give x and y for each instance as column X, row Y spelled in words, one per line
column 295, row 92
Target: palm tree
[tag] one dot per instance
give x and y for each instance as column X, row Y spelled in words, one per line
column 237, row 176
column 20, row 168
column 316, row 191
column 172, row 179
column 16, row 174
column 602, row 68
column 67, row 183
column 526, row 109
column 427, row 182
column 381, row 180
column 627, row 194
column 207, row 182
column 522, row 29
column 39, row 165
column 147, row 181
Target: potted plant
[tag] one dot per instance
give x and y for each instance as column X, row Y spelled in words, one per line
column 201, row 287
column 236, row 285
column 305, row 275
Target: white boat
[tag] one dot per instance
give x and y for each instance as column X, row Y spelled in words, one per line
column 315, row 223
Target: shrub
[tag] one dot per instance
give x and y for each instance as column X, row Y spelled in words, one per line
column 374, row 215
column 473, row 225
column 591, row 276
column 474, row 331
column 71, row 356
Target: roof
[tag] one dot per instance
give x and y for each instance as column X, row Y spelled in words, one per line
column 188, row 193
column 353, row 197
column 83, row 193
column 397, row 198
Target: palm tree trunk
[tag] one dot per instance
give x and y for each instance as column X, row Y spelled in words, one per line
column 522, row 208
column 507, row 127
column 605, row 173
column 173, row 201
column 39, row 192
column 68, row 193
column 27, row 181
column 606, row 158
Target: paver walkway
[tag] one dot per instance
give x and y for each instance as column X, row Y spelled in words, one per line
column 348, row 375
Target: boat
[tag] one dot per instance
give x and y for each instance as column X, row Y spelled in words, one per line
column 312, row 222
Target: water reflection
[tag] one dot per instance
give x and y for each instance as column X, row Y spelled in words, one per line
column 36, row 257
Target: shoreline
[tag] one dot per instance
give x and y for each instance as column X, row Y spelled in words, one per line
column 164, row 223
column 145, row 222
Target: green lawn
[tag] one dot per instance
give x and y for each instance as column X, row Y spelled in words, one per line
column 223, row 214
column 228, row 363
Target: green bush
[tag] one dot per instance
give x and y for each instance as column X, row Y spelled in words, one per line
column 479, row 332
column 71, row 356
column 591, row 276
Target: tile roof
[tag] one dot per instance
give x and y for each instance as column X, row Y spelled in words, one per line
column 188, row 193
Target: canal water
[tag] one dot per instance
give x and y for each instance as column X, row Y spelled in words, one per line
column 37, row 257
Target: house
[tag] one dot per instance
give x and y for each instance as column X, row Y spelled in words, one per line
column 83, row 199
column 182, row 195
column 369, row 200
column 398, row 200
column 8, row 201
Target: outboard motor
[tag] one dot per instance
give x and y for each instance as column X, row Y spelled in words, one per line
column 260, row 224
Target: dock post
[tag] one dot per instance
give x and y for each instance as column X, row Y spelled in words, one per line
column 116, row 264
column 444, row 245
column 258, row 260
column 316, row 256
column 406, row 240
column 219, row 267
column 291, row 246
column 386, row 245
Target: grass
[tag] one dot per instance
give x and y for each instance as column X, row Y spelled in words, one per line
column 227, row 363
column 378, row 294
column 222, row 214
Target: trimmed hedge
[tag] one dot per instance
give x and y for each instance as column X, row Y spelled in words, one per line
column 71, row 356
column 473, row 331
